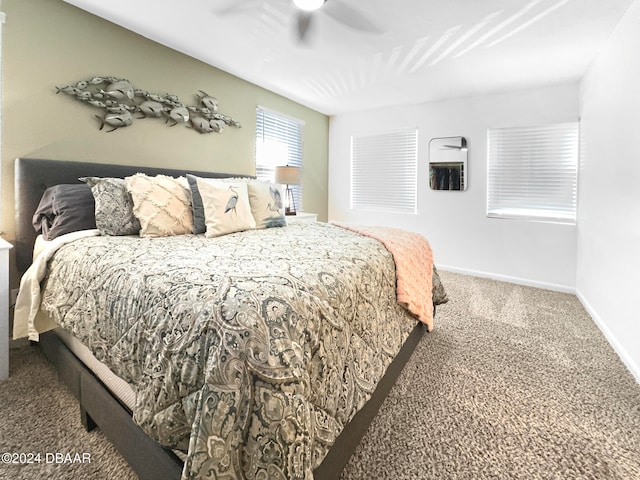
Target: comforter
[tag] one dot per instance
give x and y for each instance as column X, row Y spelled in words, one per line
column 250, row 351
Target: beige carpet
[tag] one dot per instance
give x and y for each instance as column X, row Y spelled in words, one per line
column 513, row 383
column 39, row 415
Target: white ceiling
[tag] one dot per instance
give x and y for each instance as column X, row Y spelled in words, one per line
column 427, row 50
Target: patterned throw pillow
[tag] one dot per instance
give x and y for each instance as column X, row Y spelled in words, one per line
column 266, row 204
column 226, row 207
column 161, row 204
column 114, row 206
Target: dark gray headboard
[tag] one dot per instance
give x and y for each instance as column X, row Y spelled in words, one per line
column 34, row 176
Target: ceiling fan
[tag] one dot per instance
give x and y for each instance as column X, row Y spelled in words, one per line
column 308, row 10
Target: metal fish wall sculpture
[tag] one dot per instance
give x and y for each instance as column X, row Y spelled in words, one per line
column 121, row 103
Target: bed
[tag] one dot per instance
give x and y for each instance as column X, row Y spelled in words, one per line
column 266, row 387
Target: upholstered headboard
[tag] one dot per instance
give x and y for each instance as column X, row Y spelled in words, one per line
column 34, row 176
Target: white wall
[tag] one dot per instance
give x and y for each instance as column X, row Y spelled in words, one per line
column 608, row 275
column 462, row 237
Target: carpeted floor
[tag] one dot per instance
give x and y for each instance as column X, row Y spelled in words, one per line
column 513, row 383
column 39, row 415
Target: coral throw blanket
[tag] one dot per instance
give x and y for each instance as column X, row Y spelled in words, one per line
column 414, row 267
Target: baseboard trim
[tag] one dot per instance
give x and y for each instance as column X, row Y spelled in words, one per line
column 626, row 359
column 506, row 278
column 632, row 366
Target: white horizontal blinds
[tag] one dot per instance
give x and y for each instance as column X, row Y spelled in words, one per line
column 384, row 171
column 533, row 172
column 278, row 142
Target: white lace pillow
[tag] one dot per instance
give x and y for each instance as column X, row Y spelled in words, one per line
column 162, row 204
column 226, row 207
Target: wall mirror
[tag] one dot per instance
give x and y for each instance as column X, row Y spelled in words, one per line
column 448, row 163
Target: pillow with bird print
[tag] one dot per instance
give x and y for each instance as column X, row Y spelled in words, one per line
column 226, row 207
column 196, row 201
column 266, row 204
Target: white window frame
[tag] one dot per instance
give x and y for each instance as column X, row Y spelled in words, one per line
column 3, row 18
column 279, row 142
column 384, row 171
column 532, row 172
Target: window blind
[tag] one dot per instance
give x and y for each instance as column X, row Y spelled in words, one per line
column 533, row 172
column 278, row 142
column 384, row 171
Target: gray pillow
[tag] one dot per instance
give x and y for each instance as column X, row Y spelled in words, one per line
column 64, row 209
column 197, row 207
column 113, row 206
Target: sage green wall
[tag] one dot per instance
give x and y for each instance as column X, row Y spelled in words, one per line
column 48, row 43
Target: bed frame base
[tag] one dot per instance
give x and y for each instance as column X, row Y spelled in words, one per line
column 347, row 442
column 151, row 461
column 98, row 408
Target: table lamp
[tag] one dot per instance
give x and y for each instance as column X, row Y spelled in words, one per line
column 288, row 175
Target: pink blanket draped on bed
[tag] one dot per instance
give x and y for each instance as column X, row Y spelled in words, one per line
column 414, row 267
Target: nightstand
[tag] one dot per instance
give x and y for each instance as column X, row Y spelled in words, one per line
column 302, row 217
column 4, row 308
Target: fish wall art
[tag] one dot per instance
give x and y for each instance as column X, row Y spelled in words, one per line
column 121, row 103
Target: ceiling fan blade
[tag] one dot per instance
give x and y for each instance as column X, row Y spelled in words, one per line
column 350, row 17
column 231, row 6
column 303, row 25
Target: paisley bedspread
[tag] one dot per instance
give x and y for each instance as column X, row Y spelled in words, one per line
column 249, row 351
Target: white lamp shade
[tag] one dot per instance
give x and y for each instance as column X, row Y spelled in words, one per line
column 288, row 175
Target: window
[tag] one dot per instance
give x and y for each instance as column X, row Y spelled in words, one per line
column 533, row 172
column 2, row 20
column 384, row 171
column 278, row 142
